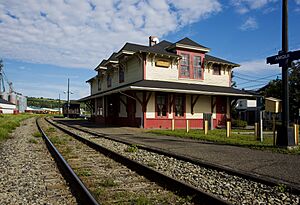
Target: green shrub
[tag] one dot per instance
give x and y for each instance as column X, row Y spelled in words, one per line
column 239, row 123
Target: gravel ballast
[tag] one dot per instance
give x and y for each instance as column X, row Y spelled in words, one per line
column 28, row 174
column 234, row 189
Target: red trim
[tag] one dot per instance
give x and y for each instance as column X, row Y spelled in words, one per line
column 191, row 65
column 144, row 69
column 179, row 123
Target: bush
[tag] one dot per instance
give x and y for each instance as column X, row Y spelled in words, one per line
column 239, row 123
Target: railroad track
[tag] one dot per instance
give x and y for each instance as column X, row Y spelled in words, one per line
column 229, row 186
column 293, row 188
column 148, row 191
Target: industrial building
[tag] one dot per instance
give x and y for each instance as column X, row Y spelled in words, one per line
column 11, row 101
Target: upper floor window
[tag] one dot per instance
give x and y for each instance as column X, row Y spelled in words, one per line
column 185, row 66
column 121, row 73
column 99, row 84
column 179, row 105
column 197, row 67
column 161, row 104
column 108, row 80
column 216, row 69
column 190, row 66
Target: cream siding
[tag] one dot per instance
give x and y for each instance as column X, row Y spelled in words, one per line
column 133, row 70
column 123, row 112
column 138, row 112
column 172, row 74
column 203, row 105
column 160, row 73
column 151, row 107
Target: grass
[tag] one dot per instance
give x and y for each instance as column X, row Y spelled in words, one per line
column 10, row 122
column 58, row 140
column 108, row 183
column 131, row 148
column 37, row 135
column 32, row 141
column 83, row 172
column 236, row 138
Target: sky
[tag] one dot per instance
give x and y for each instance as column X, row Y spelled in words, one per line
column 45, row 42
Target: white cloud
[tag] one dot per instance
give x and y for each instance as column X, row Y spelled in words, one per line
column 244, row 6
column 249, row 24
column 257, row 66
column 297, row 2
column 247, row 74
column 82, row 33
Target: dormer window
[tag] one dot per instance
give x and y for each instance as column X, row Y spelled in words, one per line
column 121, row 73
column 190, row 66
column 185, row 66
column 216, row 69
column 197, row 67
column 108, row 78
column 99, row 84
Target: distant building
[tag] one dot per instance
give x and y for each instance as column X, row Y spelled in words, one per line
column 247, row 110
column 7, row 107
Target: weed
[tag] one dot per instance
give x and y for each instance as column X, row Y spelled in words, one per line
column 141, row 200
column 51, row 129
column 99, row 191
column 58, row 140
column 108, row 183
column 281, row 188
column 37, row 134
column 84, row 173
column 32, row 141
column 131, row 148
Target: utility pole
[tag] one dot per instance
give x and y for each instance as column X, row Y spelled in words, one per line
column 68, row 98
column 284, row 58
column 59, row 105
column 285, row 77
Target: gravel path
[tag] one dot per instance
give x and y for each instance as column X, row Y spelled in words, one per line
column 28, row 174
column 228, row 187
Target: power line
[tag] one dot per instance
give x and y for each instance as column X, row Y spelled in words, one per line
column 256, row 80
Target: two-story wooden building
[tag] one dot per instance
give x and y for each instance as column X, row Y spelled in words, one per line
column 151, row 86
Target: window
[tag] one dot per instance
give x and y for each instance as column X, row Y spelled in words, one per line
column 99, row 84
column 108, row 80
column 100, row 106
column 197, row 67
column 185, row 67
column 190, row 66
column 179, row 105
column 121, row 74
column 216, row 69
column 161, row 104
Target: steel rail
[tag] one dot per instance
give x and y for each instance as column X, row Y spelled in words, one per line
column 78, row 189
column 293, row 188
column 177, row 186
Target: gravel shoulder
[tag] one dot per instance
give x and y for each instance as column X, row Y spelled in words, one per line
column 28, row 174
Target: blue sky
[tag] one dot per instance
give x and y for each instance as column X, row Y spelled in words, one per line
column 43, row 43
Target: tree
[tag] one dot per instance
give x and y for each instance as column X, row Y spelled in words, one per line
column 274, row 89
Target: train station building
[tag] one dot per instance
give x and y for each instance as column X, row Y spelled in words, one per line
column 161, row 84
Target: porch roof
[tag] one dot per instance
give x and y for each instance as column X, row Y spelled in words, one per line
column 173, row 87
